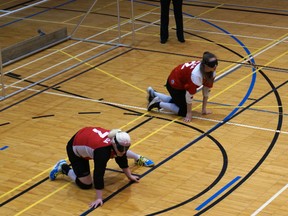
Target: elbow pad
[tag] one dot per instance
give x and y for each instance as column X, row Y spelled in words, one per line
column 206, row 91
column 189, row 98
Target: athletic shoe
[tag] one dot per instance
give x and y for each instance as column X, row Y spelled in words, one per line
column 142, row 161
column 150, row 94
column 155, row 103
column 56, row 170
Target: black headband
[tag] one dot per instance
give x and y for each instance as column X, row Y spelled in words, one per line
column 211, row 64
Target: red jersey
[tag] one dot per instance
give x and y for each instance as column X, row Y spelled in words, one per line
column 88, row 139
column 93, row 143
column 188, row 77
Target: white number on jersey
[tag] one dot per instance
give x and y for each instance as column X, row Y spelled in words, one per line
column 102, row 135
column 190, row 65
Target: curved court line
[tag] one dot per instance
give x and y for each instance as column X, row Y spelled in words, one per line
column 219, row 177
column 269, row 149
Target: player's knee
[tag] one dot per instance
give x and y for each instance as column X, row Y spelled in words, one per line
column 82, row 185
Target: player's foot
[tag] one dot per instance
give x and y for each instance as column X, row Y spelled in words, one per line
column 56, row 169
column 155, row 103
column 150, row 94
column 142, row 161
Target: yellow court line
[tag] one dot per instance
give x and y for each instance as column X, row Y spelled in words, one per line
column 155, row 131
column 24, row 183
column 73, row 18
column 109, row 74
column 101, row 8
column 212, row 9
column 127, row 21
column 134, row 120
column 255, row 52
column 44, row 198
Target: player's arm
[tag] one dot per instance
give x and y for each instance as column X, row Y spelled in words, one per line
column 189, row 99
column 206, row 93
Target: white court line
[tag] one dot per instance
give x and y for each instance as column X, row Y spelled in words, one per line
column 270, row 200
column 23, row 8
column 76, row 43
column 60, row 63
column 145, row 109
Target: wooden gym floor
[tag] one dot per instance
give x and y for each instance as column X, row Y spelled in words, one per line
column 232, row 162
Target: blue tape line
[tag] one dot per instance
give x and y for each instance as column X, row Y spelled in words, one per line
column 253, row 81
column 3, row 148
column 218, row 193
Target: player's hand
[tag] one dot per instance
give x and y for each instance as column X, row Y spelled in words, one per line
column 188, row 117
column 134, row 178
column 96, row 203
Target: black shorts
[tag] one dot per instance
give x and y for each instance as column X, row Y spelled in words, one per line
column 178, row 98
column 80, row 165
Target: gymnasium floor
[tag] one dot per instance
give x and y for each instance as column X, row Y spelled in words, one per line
column 232, row 162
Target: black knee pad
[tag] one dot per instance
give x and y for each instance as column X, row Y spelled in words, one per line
column 82, row 185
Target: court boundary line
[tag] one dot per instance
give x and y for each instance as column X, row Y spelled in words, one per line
column 270, row 200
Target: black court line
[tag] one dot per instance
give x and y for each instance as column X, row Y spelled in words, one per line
column 120, row 171
column 43, row 116
column 6, row 123
column 88, row 113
